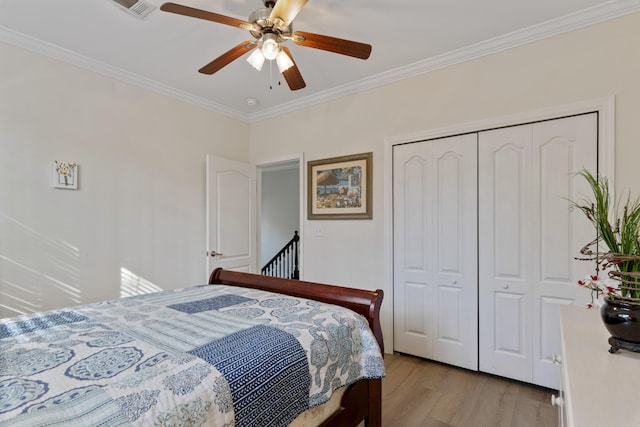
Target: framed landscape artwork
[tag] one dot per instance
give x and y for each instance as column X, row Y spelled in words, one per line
column 340, row 187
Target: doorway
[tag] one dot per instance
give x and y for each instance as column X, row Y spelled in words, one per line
column 280, row 208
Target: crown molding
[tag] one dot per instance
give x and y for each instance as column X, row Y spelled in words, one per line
column 73, row 58
column 583, row 18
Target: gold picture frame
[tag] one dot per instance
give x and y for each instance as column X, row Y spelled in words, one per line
column 340, row 187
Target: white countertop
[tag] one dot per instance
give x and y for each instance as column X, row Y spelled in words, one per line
column 601, row 389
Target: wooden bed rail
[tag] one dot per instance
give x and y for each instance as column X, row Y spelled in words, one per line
column 366, row 303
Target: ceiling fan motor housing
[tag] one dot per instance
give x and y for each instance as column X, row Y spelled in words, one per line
column 262, row 24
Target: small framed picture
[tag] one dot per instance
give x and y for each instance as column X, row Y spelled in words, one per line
column 340, row 187
column 65, row 175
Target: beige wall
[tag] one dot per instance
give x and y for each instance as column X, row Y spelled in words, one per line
column 595, row 62
column 138, row 217
column 140, row 207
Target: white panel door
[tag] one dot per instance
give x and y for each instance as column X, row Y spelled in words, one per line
column 435, row 243
column 529, row 239
column 414, row 290
column 455, row 249
column 560, row 149
column 231, row 215
column 505, row 254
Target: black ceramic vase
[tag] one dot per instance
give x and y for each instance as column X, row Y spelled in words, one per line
column 622, row 320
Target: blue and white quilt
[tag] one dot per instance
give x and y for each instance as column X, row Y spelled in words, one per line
column 209, row 355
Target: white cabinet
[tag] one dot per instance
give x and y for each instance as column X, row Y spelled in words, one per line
column 600, row 389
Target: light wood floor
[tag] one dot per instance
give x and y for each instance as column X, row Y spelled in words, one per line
column 417, row 392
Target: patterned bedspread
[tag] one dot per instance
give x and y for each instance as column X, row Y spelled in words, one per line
column 209, row 355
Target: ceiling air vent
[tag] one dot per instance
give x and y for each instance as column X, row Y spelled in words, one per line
column 137, row 8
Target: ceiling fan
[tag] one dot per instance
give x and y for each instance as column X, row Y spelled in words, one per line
column 270, row 26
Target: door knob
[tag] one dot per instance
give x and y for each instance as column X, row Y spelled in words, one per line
column 556, row 400
column 214, row 253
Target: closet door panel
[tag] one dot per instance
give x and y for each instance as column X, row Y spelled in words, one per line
column 455, row 249
column 416, row 215
column 546, row 344
column 450, row 326
column 509, row 324
column 414, row 289
column 416, row 319
column 435, row 250
column 504, row 189
column 449, row 204
column 507, row 212
column 561, row 148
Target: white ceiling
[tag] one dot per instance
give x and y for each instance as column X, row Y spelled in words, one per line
column 164, row 51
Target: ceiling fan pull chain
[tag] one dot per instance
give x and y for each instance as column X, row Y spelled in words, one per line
column 270, row 74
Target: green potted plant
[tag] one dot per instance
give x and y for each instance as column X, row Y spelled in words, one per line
column 616, row 252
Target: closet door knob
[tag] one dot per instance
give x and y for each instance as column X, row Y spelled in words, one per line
column 556, row 400
column 556, row 359
column 505, row 286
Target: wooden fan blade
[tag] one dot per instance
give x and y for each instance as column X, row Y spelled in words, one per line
column 203, row 14
column 332, row 44
column 227, row 57
column 292, row 75
column 286, row 10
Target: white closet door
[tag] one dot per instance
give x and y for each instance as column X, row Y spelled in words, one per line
column 414, row 289
column 529, row 240
column 435, row 250
column 560, row 149
column 505, row 256
column 456, row 250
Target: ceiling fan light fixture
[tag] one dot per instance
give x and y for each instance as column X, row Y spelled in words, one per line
column 270, row 46
column 283, row 61
column 269, row 27
column 256, row 59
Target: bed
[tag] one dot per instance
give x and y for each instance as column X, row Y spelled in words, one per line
column 243, row 350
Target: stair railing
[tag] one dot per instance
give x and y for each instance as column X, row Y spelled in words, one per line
column 285, row 263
